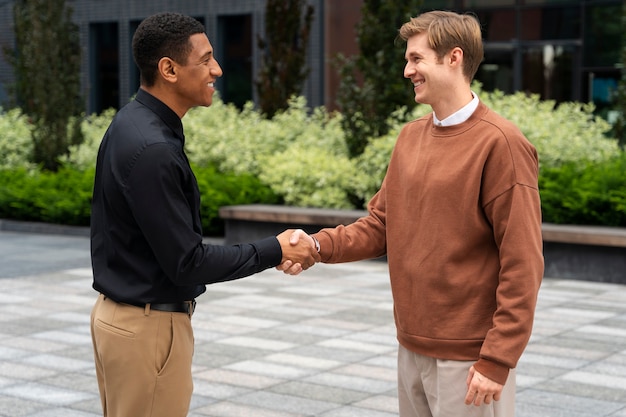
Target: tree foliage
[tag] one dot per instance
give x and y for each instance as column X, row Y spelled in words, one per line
column 287, row 29
column 372, row 83
column 46, row 64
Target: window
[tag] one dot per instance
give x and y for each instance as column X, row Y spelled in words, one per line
column 496, row 71
column 497, row 25
column 235, row 58
column 548, row 71
column 551, row 23
column 104, row 90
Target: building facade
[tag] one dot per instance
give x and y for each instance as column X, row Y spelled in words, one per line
column 110, row 77
column 561, row 49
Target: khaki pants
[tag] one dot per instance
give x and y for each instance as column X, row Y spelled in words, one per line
column 429, row 387
column 143, row 360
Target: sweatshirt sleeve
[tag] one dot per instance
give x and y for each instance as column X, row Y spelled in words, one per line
column 363, row 239
column 515, row 215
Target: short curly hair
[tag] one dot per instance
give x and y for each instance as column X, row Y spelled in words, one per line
column 162, row 35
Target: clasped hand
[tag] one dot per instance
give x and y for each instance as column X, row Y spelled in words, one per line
column 299, row 252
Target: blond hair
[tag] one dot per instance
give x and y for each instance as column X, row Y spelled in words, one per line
column 448, row 30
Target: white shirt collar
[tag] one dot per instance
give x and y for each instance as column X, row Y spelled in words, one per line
column 460, row 115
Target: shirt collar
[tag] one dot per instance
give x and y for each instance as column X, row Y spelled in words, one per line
column 161, row 109
column 460, row 115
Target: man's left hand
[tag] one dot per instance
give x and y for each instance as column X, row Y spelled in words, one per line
column 481, row 389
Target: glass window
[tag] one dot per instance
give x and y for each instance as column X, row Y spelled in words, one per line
column 548, row 71
column 496, row 71
column 551, row 23
column 235, row 37
column 497, row 25
column 104, row 67
column 600, row 86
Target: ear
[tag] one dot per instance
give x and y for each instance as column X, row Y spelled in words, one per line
column 456, row 57
column 167, row 69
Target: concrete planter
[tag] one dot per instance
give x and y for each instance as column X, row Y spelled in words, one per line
column 590, row 253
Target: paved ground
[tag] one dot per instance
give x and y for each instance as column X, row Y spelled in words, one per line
column 321, row 344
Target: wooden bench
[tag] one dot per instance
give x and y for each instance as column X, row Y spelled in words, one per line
column 593, row 253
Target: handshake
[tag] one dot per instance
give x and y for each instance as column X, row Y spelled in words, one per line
column 299, row 251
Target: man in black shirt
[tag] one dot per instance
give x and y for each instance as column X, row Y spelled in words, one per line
column 149, row 261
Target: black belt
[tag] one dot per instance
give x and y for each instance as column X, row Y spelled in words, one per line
column 183, row 307
column 186, row 307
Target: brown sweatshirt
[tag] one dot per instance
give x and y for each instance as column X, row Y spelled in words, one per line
column 458, row 216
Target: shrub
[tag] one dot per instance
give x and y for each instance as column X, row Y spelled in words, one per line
column 219, row 189
column 300, row 154
column 236, row 140
column 585, row 193
column 16, row 146
column 310, row 176
column 563, row 133
column 83, row 156
column 300, row 158
column 63, row 197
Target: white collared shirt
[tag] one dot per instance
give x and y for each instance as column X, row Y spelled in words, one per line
column 460, row 115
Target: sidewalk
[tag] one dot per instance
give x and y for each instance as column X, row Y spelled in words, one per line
column 320, row 344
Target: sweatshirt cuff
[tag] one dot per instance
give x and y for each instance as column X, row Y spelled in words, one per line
column 326, row 245
column 492, row 370
column 269, row 252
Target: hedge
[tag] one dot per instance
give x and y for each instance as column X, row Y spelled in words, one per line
column 300, row 158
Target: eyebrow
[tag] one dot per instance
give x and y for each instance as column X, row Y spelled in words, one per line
column 206, row 55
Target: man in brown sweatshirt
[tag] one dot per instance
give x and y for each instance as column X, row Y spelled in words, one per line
column 458, row 216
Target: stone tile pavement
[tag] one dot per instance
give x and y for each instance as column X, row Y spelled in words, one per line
column 320, row 344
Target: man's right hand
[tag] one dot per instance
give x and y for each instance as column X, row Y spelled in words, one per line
column 302, row 254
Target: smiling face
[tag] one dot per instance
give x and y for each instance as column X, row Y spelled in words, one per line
column 427, row 72
column 195, row 80
column 437, row 80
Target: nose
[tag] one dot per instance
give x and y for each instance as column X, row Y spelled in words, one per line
column 215, row 69
column 408, row 70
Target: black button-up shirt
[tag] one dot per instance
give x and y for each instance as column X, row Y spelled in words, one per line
column 146, row 236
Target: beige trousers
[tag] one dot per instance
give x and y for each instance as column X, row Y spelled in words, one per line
column 143, row 360
column 429, row 387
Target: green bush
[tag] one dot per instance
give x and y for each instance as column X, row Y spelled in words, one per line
column 300, row 154
column 16, row 145
column 585, row 193
column 219, row 189
column 563, row 133
column 300, row 158
column 83, row 156
column 63, row 197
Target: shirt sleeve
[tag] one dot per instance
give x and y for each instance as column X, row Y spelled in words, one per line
column 162, row 208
